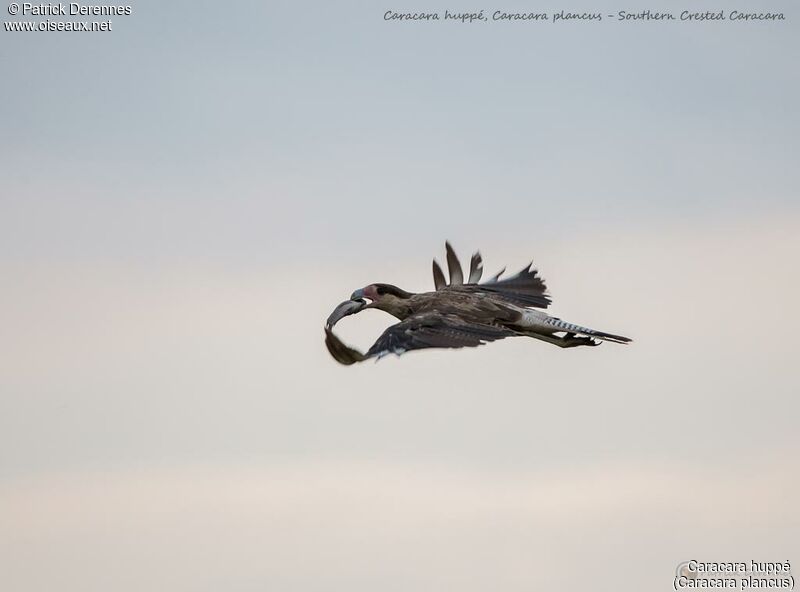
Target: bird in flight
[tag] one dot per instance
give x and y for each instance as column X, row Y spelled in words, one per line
column 460, row 314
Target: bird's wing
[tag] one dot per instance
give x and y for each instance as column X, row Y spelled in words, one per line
column 419, row 332
column 435, row 330
column 526, row 288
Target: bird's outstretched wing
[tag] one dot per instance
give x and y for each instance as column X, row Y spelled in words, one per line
column 418, row 332
column 526, row 288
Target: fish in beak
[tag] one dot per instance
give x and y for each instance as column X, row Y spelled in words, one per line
column 346, row 308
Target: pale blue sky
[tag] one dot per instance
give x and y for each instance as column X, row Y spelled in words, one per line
column 225, row 133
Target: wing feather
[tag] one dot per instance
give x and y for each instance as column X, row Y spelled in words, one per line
column 454, row 266
column 496, row 276
column 438, row 276
column 526, row 288
column 475, row 268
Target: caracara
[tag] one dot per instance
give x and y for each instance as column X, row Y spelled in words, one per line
column 460, row 314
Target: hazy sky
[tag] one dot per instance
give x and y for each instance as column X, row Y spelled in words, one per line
column 185, row 199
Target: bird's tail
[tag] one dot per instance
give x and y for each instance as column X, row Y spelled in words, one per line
column 577, row 329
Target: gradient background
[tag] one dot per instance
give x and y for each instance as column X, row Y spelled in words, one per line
column 185, row 199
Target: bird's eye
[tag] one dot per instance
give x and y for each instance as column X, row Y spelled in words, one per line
column 380, row 291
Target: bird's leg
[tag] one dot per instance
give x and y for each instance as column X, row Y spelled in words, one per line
column 547, row 338
column 569, row 340
column 572, row 340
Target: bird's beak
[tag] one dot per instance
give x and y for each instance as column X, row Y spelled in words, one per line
column 357, row 295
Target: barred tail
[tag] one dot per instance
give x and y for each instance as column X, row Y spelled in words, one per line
column 571, row 328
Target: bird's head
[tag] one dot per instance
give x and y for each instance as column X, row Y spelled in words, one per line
column 385, row 297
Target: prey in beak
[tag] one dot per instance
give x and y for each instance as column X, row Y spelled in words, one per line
column 346, row 308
